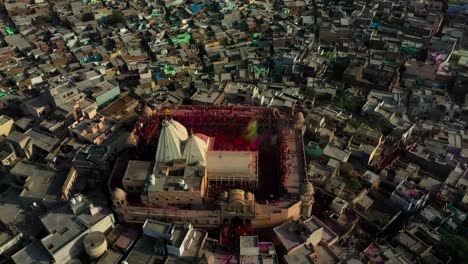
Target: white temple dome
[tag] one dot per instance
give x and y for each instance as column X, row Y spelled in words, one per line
column 168, row 143
column 195, row 150
column 181, row 130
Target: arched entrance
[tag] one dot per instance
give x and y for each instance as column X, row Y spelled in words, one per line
column 237, row 221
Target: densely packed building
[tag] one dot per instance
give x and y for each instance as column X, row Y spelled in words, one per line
column 191, row 131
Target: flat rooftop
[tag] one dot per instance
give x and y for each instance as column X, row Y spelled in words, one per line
column 143, row 252
column 312, row 225
column 178, row 235
column 157, row 227
column 43, row 140
column 288, row 234
column 251, row 259
column 191, row 175
column 61, row 227
column 4, row 119
column 32, row 253
column 44, row 184
column 301, row 256
column 138, row 170
column 232, row 162
column 110, row 257
column 325, row 255
column 248, row 241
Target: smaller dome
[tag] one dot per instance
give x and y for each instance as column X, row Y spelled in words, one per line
column 181, row 130
column 236, row 195
column 307, row 188
column 131, row 140
column 248, row 196
column 119, row 195
column 223, row 196
column 79, row 197
column 298, row 119
column 147, row 111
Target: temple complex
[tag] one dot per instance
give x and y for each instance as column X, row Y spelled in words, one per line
column 196, row 164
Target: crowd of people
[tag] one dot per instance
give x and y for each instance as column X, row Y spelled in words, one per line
column 284, row 153
column 229, row 124
column 215, row 189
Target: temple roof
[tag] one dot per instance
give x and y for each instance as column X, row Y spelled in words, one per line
column 195, row 150
column 168, row 143
column 181, row 130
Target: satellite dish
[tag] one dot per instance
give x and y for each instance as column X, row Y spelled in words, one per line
column 79, row 198
column 152, row 179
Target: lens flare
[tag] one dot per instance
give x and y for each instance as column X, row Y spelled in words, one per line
column 252, row 132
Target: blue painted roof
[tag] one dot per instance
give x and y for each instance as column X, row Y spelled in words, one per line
column 159, row 77
column 196, row 8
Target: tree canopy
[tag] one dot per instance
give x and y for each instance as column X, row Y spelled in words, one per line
column 87, row 17
column 454, row 246
column 42, row 20
column 117, row 17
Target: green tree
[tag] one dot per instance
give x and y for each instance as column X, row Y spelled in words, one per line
column 355, row 123
column 42, row 20
column 87, row 17
column 117, row 17
column 453, row 246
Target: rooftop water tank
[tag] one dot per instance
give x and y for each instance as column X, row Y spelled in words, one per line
column 79, row 198
column 95, row 244
column 152, row 179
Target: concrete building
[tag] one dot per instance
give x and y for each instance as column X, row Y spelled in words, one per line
column 62, row 93
column 42, row 186
column 168, row 242
column 306, row 241
column 105, row 92
column 364, row 143
column 409, row 196
column 6, row 125
column 66, row 226
column 94, row 130
column 92, row 161
column 294, row 234
column 253, row 251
